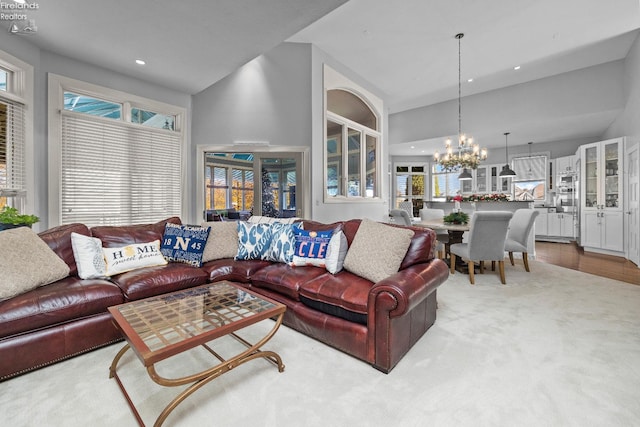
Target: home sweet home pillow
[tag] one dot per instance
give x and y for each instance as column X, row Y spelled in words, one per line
column 377, row 250
column 27, row 262
column 132, row 257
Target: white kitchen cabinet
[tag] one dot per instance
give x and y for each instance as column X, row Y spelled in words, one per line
column 565, row 165
column 541, row 222
column 601, row 196
column 481, row 179
column 560, row 224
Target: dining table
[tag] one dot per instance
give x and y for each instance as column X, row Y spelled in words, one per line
column 454, row 230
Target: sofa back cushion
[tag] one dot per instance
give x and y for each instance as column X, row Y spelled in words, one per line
column 59, row 239
column 114, row 236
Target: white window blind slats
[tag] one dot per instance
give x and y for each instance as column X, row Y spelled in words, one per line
column 530, row 168
column 117, row 174
column 12, row 156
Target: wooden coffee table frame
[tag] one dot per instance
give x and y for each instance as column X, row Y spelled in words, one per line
column 160, row 327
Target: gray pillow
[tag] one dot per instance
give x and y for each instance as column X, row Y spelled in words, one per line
column 222, row 241
column 27, row 262
column 377, row 250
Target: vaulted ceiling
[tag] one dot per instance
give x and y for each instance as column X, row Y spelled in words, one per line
column 405, row 48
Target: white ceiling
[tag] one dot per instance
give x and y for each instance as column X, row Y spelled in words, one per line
column 405, row 48
column 187, row 45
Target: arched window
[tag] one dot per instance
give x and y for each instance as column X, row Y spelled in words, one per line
column 352, row 146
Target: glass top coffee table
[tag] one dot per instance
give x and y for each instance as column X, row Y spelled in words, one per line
column 163, row 326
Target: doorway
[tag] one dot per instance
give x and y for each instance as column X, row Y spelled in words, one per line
column 238, row 185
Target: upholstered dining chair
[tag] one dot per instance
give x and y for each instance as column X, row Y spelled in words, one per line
column 485, row 242
column 400, row 216
column 518, row 235
column 407, row 206
column 442, row 236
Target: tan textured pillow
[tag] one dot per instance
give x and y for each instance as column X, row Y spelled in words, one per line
column 222, row 241
column 377, row 250
column 26, row 262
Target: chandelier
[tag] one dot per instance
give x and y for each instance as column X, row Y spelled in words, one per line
column 467, row 155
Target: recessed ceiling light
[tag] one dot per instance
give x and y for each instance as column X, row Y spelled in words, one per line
column 412, row 147
column 140, row 62
column 517, row 67
column 469, row 80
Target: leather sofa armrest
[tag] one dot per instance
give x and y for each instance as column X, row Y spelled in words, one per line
column 399, row 293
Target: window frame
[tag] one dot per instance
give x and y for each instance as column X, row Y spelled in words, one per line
column 20, row 89
column 57, row 85
column 332, row 81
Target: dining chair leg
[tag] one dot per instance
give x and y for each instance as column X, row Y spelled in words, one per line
column 525, row 258
column 481, row 267
column 452, row 261
column 493, row 266
column 511, row 258
column 501, row 268
column 471, row 278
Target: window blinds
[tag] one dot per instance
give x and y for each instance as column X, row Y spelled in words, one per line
column 114, row 173
column 532, row 168
column 12, row 142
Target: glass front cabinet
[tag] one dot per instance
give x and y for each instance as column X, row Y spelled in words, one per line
column 601, row 198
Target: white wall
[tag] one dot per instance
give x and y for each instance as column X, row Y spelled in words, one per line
column 46, row 62
column 628, row 123
column 568, row 100
column 278, row 97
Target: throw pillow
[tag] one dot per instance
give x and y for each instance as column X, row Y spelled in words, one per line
column 184, row 243
column 311, row 247
column 254, row 241
column 89, row 257
column 131, row 257
column 222, row 241
column 258, row 219
column 282, row 242
column 27, row 262
column 377, row 250
column 336, row 252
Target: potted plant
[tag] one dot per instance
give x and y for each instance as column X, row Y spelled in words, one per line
column 11, row 218
column 456, row 218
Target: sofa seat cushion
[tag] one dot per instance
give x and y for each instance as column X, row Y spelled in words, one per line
column 68, row 299
column 150, row 281
column 344, row 295
column 230, row 269
column 285, row 279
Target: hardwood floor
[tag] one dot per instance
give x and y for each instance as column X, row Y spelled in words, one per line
column 572, row 256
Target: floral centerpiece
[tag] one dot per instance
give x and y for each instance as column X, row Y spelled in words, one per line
column 494, row 197
column 456, row 218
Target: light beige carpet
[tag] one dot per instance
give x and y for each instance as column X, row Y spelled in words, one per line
column 554, row 347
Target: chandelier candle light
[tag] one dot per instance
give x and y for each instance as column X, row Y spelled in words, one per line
column 468, row 155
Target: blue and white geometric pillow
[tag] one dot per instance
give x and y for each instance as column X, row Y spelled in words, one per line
column 254, row 241
column 283, row 242
column 184, row 243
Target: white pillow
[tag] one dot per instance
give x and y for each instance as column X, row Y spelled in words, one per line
column 27, row 262
column 336, row 252
column 133, row 256
column 89, row 256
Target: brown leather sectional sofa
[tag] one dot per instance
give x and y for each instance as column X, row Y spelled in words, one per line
column 377, row 323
